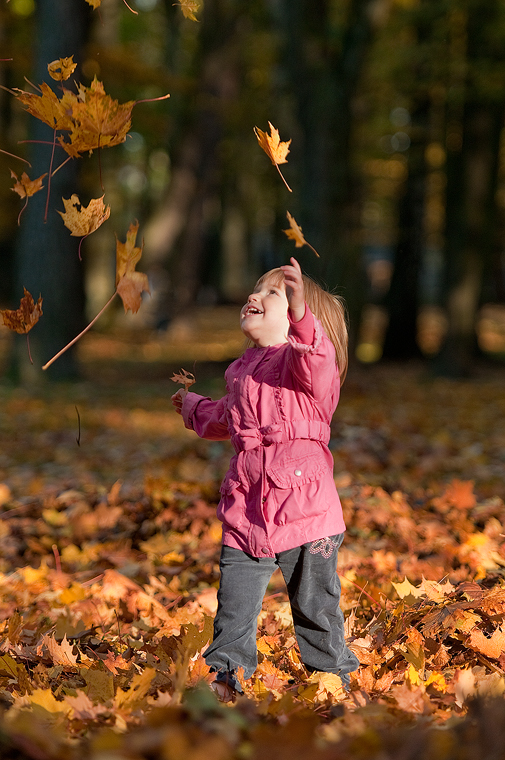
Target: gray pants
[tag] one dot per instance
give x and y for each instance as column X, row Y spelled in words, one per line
column 314, row 594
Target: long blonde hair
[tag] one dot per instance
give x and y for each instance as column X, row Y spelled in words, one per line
column 328, row 308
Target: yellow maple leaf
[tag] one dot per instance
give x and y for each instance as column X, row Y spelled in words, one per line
column 83, row 220
column 94, row 3
column 47, row 107
column 275, row 149
column 295, row 233
column 130, row 284
column 189, row 8
column 62, row 68
column 23, row 319
column 97, row 120
column 61, row 654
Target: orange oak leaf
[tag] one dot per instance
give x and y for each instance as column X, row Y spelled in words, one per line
column 129, row 283
column 295, row 233
column 184, row 378
column 26, row 187
column 492, row 647
column 274, row 148
column 83, row 220
column 189, row 8
column 23, row 319
column 62, row 68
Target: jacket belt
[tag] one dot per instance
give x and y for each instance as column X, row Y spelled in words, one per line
column 281, row 432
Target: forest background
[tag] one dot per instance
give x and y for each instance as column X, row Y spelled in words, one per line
column 108, row 536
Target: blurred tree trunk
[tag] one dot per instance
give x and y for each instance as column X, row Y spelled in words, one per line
column 402, row 299
column 46, row 260
column 324, row 64
column 183, row 232
column 471, row 217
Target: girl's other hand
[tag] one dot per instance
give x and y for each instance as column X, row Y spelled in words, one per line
column 294, row 289
column 178, row 399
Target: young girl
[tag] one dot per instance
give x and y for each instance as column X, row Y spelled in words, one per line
column 279, row 505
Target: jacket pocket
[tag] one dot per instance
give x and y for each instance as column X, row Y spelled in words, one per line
column 295, row 472
column 229, row 484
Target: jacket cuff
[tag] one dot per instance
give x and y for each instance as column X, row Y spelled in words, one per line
column 191, row 401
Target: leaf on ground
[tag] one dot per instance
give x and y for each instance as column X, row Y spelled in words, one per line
column 130, row 284
column 83, row 220
column 493, row 646
column 61, row 654
column 82, row 708
column 23, row 319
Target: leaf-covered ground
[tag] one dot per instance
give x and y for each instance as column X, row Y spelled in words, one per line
column 109, row 551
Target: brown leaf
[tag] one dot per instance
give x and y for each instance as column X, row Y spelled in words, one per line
column 130, row 284
column 61, row 654
column 83, row 220
column 23, row 319
column 26, row 187
column 62, row 68
column 295, row 233
column 184, row 378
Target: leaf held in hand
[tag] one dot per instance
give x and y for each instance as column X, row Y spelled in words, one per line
column 130, row 284
column 23, row 319
column 184, row 378
column 83, row 220
column 295, row 233
column 62, row 68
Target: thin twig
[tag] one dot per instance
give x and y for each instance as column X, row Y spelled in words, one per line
column 13, row 155
column 57, row 356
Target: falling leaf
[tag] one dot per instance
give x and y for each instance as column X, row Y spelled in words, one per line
column 62, row 68
column 130, row 284
column 295, row 233
column 83, row 220
column 97, row 120
column 26, row 187
column 189, row 8
column 94, row 3
column 23, row 319
column 47, row 107
column 184, row 378
column 274, row 148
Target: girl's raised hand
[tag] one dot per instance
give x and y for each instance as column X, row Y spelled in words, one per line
column 178, row 398
column 294, row 289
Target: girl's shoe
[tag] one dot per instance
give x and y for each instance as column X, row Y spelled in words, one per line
column 223, row 691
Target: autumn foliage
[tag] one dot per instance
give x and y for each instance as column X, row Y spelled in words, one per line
column 108, row 591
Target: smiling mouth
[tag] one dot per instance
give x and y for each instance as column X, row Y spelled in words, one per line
column 252, row 310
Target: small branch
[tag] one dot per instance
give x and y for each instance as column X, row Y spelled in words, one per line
column 282, row 177
column 20, row 213
column 152, row 100
column 62, row 165
column 13, row 155
column 49, row 177
column 69, row 345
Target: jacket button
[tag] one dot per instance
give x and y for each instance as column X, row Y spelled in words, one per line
column 264, row 550
column 264, row 499
column 298, row 472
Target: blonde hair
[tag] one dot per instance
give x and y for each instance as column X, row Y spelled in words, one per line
column 328, row 308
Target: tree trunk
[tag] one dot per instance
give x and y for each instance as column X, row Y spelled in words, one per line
column 47, row 261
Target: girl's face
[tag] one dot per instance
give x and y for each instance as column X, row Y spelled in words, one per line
column 264, row 318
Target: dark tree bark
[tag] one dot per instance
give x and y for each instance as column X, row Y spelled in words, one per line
column 324, row 66
column 47, row 260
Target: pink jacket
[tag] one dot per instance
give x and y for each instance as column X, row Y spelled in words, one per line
column 279, row 491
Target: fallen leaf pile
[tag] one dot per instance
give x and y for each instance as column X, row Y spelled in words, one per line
column 109, row 572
